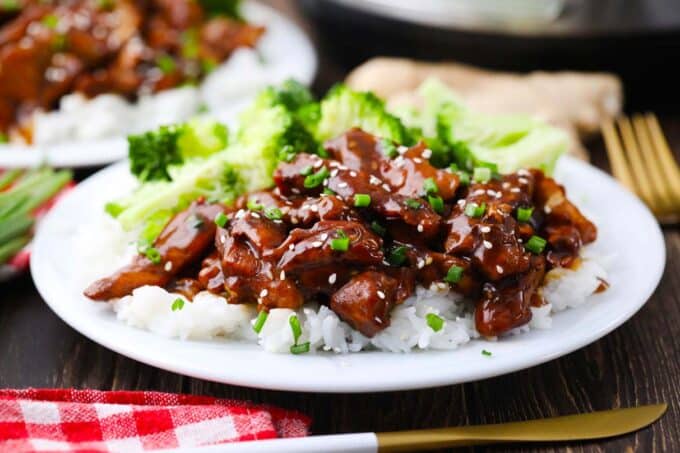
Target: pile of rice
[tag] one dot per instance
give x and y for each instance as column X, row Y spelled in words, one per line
column 105, row 247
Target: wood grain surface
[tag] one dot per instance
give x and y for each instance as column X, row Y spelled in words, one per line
column 636, row 364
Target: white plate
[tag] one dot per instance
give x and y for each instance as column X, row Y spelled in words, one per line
column 284, row 47
column 626, row 227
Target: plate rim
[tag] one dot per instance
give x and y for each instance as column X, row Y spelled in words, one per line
column 40, row 269
column 19, row 156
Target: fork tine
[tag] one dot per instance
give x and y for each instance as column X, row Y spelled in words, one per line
column 639, row 172
column 616, row 156
column 664, row 155
column 660, row 188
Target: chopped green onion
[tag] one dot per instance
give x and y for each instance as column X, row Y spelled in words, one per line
column 316, row 179
column 221, row 220
column 340, row 244
column 378, row 229
column 166, row 64
column 321, row 152
column 153, row 255
column 536, row 244
column 397, row 256
column 259, row 322
column 430, row 186
column 464, row 178
column 50, row 21
column 299, row 348
column 295, row 327
column 454, row 274
column 524, row 214
column 178, row 304
column 481, row 174
column 254, row 205
column 486, row 353
column 273, row 213
column 362, row 200
column 306, row 171
column 475, row 210
column 328, row 191
column 435, row 322
column 437, row 204
column 388, row 148
column 453, row 167
column 413, row 203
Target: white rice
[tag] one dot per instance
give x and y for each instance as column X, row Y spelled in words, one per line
column 104, row 246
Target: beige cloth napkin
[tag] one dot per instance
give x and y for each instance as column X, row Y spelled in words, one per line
column 578, row 102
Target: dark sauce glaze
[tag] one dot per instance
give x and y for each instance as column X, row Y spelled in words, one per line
column 320, row 246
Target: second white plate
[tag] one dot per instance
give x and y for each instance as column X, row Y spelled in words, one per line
column 285, row 49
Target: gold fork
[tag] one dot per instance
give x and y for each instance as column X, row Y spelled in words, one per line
column 644, row 163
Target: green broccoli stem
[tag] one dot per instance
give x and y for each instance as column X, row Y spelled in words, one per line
column 11, row 248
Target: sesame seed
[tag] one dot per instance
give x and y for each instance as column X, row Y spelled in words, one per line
column 334, row 165
column 515, row 190
column 523, row 180
column 420, row 228
column 264, row 293
column 461, row 203
column 255, row 214
column 353, row 174
column 499, row 269
column 427, row 154
column 223, row 238
column 317, row 244
column 325, row 182
column 506, row 185
column 378, row 320
column 381, row 294
column 402, row 149
column 332, row 278
column 418, row 160
column 420, row 263
column 488, row 245
column 523, row 171
column 295, row 190
column 485, row 229
column 314, row 208
column 334, row 173
column 342, row 167
column 499, row 195
column 428, row 260
column 478, row 192
column 491, row 193
column 342, row 185
column 398, row 160
column 291, row 247
column 282, row 275
column 324, row 236
column 547, row 209
column 374, row 181
column 386, row 187
column 168, row 266
column 294, row 220
column 318, row 163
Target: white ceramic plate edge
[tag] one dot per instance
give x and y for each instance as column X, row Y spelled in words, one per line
column 342, row 373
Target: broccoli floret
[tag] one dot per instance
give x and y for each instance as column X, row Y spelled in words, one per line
column 343, row 109
column 154, row 153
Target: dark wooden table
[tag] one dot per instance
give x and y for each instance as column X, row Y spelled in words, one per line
column 637, row 364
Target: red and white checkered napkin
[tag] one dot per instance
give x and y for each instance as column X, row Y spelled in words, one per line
column 96, row 421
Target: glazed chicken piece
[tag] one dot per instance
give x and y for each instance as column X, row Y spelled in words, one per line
column 365, row 301
column 183, row 242
column 249, row 275
column 507, row 304
column 346, row 183
column 566, row 229
column 405, row 174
